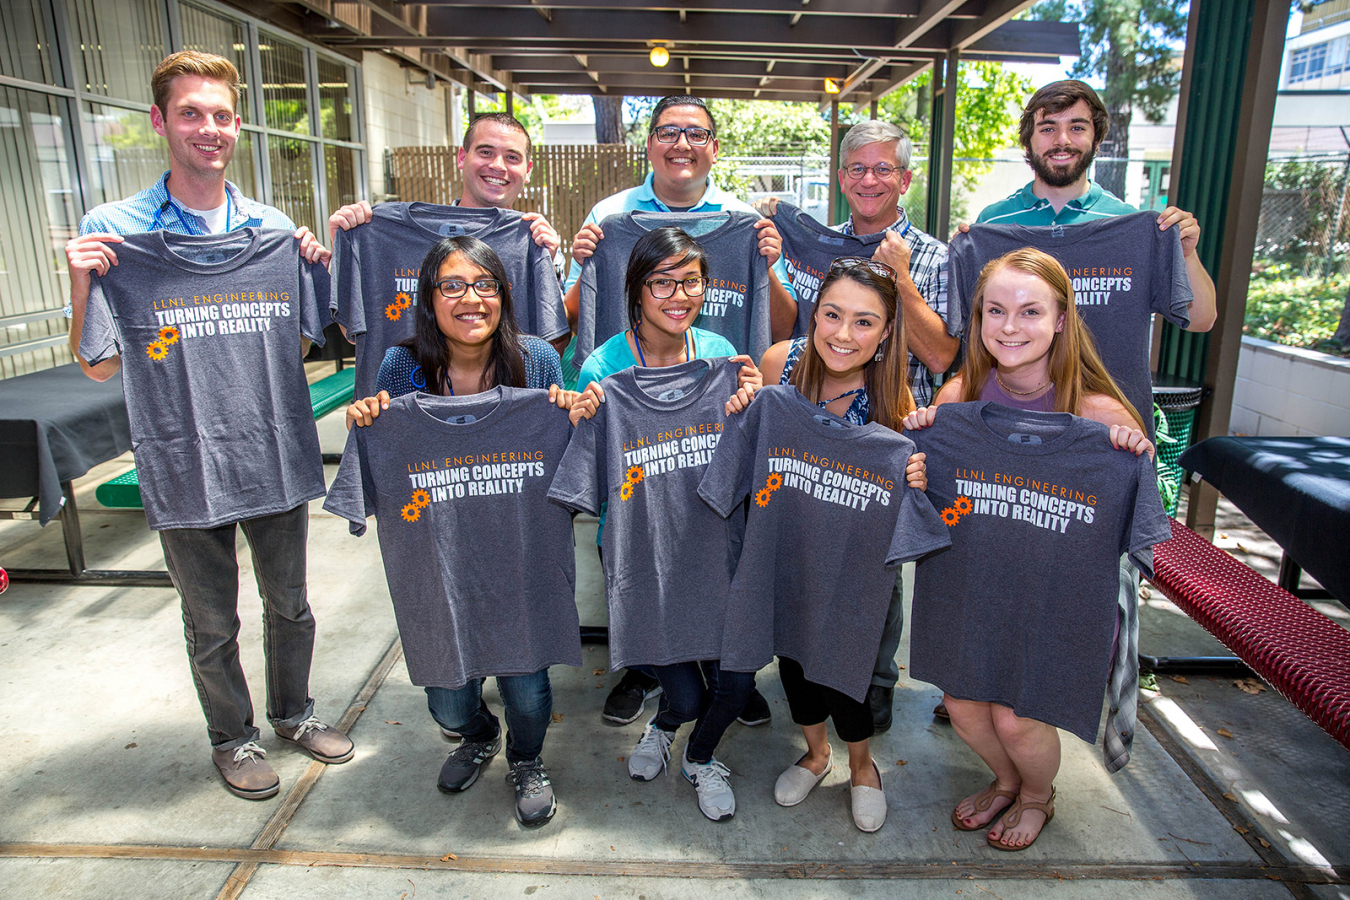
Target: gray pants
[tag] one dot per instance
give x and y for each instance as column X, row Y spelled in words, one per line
column 205, row 570
column 886, row 671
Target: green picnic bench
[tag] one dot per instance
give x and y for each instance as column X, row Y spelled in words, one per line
column 325, row 395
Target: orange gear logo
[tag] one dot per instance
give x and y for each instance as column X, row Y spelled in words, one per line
column 763, row 497
column 412, row 512
column 393, row 311
column 950, row 517
column 635, row 474
column 963, row 506
column 626, row 491
column 403, row 300
column 420, row 498
column 168, row 335
column 157, row 350
column 774, row 482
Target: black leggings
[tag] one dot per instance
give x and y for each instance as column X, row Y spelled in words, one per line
column 812, row 703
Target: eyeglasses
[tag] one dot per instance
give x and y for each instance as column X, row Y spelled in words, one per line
column 453, row 288
column 856, row 262
column 670, row 134
column 664, row 288
column 881, row 170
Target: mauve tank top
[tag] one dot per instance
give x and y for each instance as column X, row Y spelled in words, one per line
column 992, row 390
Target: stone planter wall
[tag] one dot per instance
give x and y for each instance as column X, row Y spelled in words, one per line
column 1283, row 391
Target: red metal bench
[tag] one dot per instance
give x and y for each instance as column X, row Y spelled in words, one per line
column 1293, row 647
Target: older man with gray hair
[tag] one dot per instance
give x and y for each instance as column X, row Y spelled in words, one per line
column 873, row 174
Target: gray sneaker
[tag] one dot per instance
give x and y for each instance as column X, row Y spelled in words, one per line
column 462, row 766
column 535, row 803
column 649, row 757
column 711, row 780
column 246, row 772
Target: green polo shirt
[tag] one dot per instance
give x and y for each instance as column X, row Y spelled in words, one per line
column 1025, row 208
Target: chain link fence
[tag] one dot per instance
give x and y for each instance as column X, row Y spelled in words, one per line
column 1304, row 224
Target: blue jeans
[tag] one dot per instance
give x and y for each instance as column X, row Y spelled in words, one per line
column 528, row 702
column 705, row 694
column 205, row 570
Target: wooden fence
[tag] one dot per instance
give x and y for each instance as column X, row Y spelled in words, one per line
column 567, row 180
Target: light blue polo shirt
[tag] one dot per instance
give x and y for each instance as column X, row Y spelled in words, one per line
column 1025, row 208
column 643, row 199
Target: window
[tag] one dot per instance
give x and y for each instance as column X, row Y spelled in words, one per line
column 1298, row 65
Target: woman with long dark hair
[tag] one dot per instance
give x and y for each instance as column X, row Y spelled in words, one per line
column 465, row 341
column 851, row 363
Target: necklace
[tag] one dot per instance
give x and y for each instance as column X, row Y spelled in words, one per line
column 642, row 361
column 1019, row 393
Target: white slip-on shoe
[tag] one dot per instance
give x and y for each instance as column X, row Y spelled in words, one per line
column 797, row 781
column 869, row 805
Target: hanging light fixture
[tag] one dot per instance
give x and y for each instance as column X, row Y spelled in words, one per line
column 831, row 86
column 659, row 56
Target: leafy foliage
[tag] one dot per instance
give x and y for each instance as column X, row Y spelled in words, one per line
column 1293, row 310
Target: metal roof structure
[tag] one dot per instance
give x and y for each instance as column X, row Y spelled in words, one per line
column 746, row 49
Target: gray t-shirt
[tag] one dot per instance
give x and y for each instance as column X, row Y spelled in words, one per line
column 829, row 513
column 481, row 567
column 1123, row 271
column 209, row 329
column 668, row 557
column 1021, row 611
column 375, row 270
column 808, row 249
column 735, row 304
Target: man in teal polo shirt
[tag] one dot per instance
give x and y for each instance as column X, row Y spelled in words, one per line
column 1062, row 127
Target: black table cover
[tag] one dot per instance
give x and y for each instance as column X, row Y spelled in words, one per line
column 1295, row 489
column 55, row 425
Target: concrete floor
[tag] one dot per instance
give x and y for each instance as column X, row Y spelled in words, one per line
column 107, row 789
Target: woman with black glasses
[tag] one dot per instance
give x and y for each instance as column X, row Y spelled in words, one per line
column 465, row 341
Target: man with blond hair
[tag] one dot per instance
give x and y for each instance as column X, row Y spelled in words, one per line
column 196, row 110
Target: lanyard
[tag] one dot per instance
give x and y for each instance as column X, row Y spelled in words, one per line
column 187, row 227
column 688, row 350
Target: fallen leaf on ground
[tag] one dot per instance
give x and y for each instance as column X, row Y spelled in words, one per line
column 1241, row 549
column 1224, row 732
column 1230, row 797
column 1249, row 685
column 557, row 717
column 597, row 671
column 1240, row 830
column 392, row 722
column 1180, row 679
column 902, row 762
column 1263, row 842
column 449, row 856
column 1144, row 592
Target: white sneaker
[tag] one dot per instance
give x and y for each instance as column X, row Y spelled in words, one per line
column 649, row 757
column 710, row 779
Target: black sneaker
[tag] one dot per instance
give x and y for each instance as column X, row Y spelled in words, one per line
column 756, row 711
column 464, row 763
column 629, row 697
column 535, row 803
column 880, row 701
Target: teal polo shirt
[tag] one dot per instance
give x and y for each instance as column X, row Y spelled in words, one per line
column 1025, row 208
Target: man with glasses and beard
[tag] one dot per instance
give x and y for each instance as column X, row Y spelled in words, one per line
column 1062, row 126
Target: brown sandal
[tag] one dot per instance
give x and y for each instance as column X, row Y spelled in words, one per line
column 986, row 800
column 1014, row 815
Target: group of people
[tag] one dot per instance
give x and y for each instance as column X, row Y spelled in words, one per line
column 873, row 345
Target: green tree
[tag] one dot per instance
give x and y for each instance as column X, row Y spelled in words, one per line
column 989, row 101
column 1129, row 45
column 770, row 128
